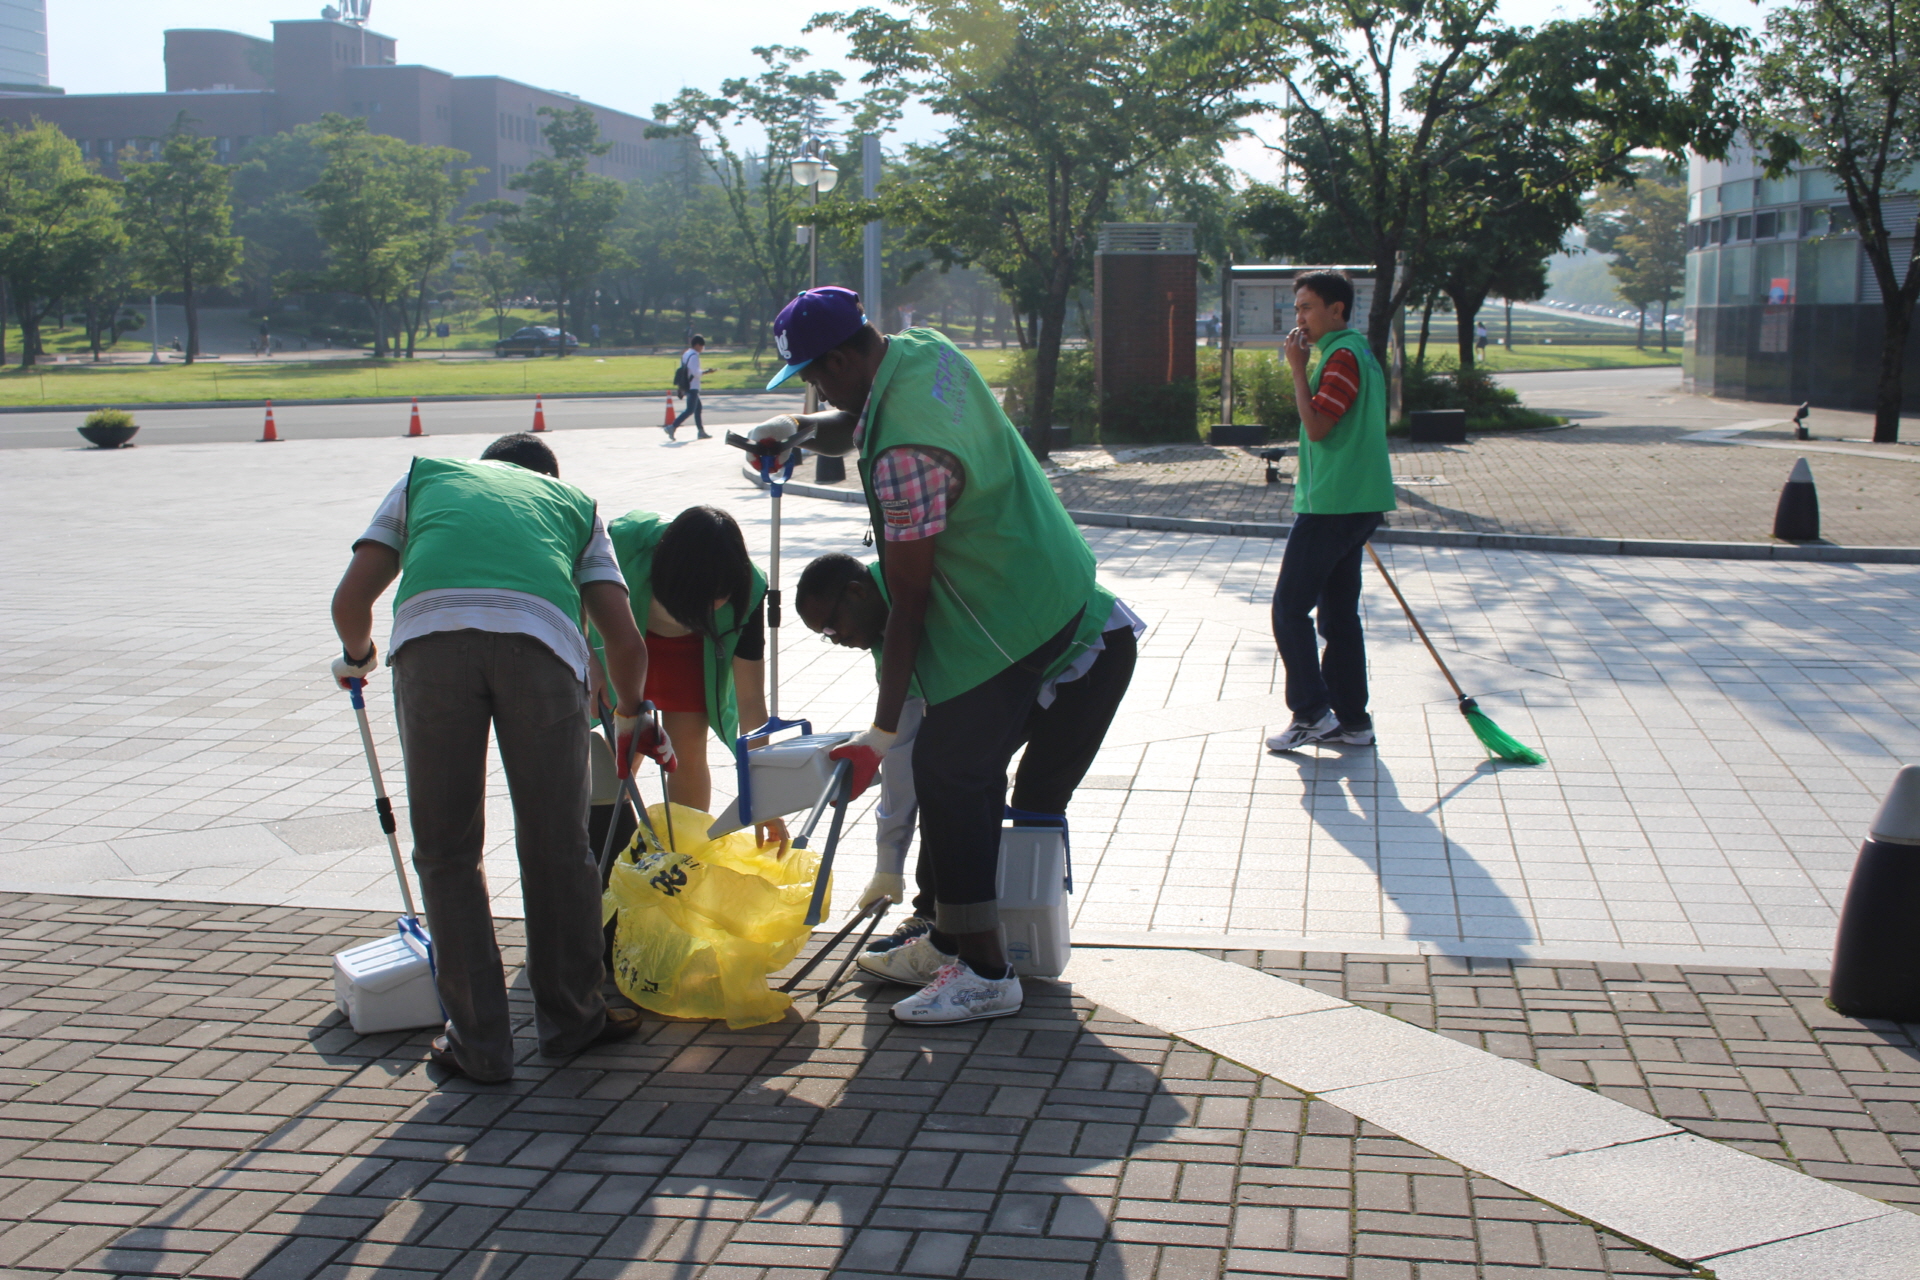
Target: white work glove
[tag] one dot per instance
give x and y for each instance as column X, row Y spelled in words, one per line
column 883, row 885
column 866, row 751
column 345, row 668
column 774, row 429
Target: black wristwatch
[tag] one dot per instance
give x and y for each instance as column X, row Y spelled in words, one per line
column 358, row 662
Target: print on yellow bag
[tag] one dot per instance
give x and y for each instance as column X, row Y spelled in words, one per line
column 701, row 925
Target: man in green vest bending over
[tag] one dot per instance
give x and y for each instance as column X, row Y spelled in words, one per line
column 988, row 576
column 1344, row 486
column 496, row 560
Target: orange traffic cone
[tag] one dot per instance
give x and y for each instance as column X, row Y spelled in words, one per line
column 670, row 415
column 539, row 415
column 269, row 436
column 413, row 425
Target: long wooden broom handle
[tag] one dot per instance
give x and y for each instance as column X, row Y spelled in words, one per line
column 1418, row 629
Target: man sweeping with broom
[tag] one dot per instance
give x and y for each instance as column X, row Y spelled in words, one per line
column 1344, row 489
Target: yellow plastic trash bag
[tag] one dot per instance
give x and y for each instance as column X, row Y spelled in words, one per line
column 702, row 925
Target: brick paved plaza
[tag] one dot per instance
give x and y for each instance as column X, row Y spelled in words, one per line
column 185, row 839
column 1624, row 468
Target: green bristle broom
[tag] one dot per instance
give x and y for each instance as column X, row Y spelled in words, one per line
column 1498, row 741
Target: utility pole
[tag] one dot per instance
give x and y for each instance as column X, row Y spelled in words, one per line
column 870, row 186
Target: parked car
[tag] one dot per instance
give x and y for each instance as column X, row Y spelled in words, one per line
column 535, row 340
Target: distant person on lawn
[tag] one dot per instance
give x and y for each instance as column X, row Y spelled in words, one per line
column 689, row 384
column 1344, row 488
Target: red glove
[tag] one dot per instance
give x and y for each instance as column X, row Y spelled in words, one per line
column 865, row 751
column 641, row 735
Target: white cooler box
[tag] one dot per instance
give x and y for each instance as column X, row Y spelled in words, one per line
column 787, row 777
column 387, row 984
column 1033, row 899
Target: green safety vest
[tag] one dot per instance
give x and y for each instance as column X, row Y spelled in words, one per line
column 1012, row 568
column 634, row 537
column 493, row 526
column 1349, row 471
column 1093, row 624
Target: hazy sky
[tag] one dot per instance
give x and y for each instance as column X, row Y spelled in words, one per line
column 626, row 54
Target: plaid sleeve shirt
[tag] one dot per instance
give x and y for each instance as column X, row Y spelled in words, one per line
column 911, row 486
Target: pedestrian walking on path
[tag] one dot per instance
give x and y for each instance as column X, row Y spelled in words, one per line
column 686, row 380
column 847, row 602
column 496, row 561
column 988, row 577
column 1344, row 486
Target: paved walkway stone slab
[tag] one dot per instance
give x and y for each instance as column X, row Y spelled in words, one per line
column 178, row 1097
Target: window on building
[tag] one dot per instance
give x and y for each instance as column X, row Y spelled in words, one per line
column 1766, row 225
column 1813, row 222
column 1742, row 226
column 1840, row 220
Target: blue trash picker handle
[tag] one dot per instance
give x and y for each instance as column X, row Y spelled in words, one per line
column 743, row 768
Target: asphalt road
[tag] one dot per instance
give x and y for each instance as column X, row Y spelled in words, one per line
column 294, row 421
column 1648, row 394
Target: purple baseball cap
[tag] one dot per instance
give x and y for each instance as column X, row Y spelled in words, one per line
column 814, row 323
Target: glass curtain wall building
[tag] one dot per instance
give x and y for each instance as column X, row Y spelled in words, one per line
column 1781, row 304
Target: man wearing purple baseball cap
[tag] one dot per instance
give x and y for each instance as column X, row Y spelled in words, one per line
column 987, row 577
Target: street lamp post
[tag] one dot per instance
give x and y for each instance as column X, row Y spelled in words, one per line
column 819, row 177
column 153, row 326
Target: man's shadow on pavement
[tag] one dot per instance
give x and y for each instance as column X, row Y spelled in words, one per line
column 842, row 1143
column 1448, row 898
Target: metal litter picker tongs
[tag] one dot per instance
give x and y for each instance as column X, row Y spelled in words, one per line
column 775, row 470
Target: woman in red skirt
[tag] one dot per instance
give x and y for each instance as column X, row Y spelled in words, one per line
column 700, row 600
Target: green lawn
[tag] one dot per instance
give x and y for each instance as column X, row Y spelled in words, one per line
column 1528, row 358
column 290, row 380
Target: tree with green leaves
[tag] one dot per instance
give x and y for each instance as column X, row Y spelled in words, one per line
column 179, row 216
column 781, row 105
column 1057, row 106
column 492, row 278
column 1839, row 87
column 271, row 212
column 385, row 210
column 1381, row 97
column 563, row 228
column 59, row 222
column 1643, row 224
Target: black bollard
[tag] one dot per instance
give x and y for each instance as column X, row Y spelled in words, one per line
column 829, row 468
column 1797, row 518
column 1876, row 957
column 1800, row 431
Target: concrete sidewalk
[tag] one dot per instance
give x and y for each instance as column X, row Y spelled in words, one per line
column 1718, row 733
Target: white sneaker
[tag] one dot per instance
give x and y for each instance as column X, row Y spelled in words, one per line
column 1300, row 733
column 915, row 963
column 1351, row 737
column 959, row 994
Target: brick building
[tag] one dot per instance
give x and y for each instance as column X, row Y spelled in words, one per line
column 235, row 88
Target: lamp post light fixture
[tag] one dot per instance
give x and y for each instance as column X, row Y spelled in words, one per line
column 819, row 177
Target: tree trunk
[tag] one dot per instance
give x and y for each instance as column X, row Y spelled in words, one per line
column 93, row 330
column 1663, row 326
column 1640, row 339
column 1046, row 357
column 3, row 322
column 1380, row 319
column 1426, row 325
column 29, row 332
column 1886, row 400
column 1465, row 311
column 1509, row 302
column 193, row 318
column 379, row 326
